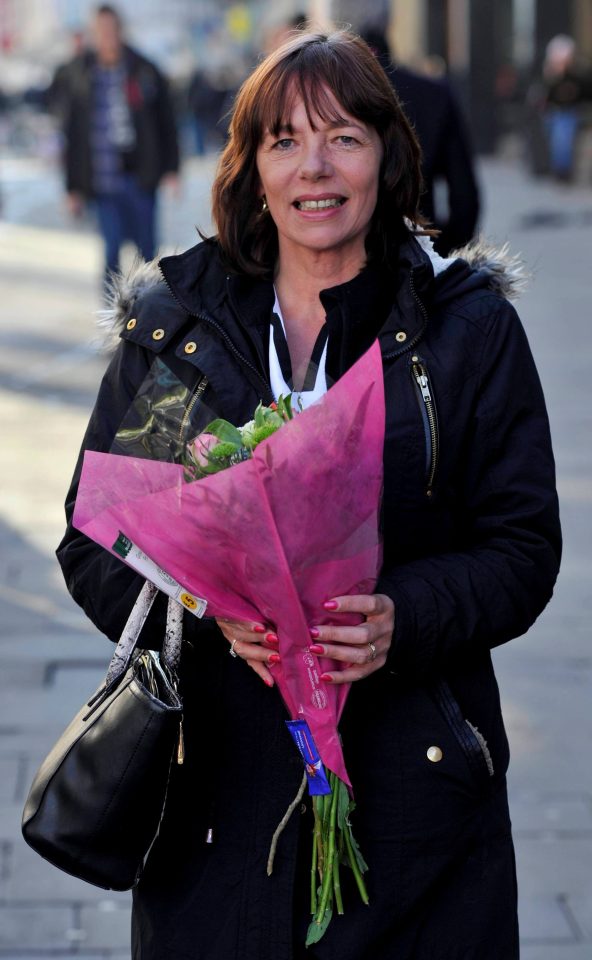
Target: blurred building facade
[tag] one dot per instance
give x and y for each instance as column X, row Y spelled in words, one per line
column 177, row 34
column 491, row 49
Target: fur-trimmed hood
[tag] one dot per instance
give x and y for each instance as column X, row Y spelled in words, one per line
column 478, row 264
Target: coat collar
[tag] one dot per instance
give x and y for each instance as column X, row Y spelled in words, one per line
column 202, row 286
column 199, row 282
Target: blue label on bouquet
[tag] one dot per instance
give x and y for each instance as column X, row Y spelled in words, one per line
column 315, row 771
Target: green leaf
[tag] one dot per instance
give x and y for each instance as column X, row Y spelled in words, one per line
column 259, row 417
column 317, row 930
column 284, row 408
column 225, row 432
column 362, row 865
column 343, row 804
column 288, row 407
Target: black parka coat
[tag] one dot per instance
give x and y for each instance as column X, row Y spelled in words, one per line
column 156, row 150
column 472, row 545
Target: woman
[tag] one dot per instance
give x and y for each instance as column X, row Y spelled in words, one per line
column 315, row 257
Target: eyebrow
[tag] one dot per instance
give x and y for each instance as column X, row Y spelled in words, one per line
column 331, row 125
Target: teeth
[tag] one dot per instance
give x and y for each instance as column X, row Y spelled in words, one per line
column 318, row 204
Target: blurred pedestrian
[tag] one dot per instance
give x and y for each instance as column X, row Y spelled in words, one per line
column 120, row 138
column 435, row 114
column 204, row 104
column 563, row 94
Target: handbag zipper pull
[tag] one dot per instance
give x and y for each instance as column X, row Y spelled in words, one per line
column 181, row 744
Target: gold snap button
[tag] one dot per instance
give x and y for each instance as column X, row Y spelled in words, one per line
column 158, row 334
column 131, row 324
column 401, row 336
column 190, row 347
column 434, row 754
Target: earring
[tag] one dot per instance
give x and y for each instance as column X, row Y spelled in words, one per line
column 264, row 207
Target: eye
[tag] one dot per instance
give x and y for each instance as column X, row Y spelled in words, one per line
column 346, row 140
column 284, row 144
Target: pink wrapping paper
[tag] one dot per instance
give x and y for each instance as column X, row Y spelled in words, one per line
column 271, row 538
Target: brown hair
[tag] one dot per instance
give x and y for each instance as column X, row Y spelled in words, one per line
column 106, row 10
column 307, row 65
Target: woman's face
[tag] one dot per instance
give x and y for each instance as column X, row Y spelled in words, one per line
column 321, row 183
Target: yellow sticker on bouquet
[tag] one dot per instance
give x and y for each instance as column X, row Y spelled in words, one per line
column 188, row 601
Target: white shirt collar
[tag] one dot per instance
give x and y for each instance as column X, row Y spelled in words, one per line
column 301, row 399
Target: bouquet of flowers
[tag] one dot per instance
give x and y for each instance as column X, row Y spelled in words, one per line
column 292, row 523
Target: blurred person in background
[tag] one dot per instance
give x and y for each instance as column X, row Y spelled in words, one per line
column 205, row 103
column 120, row 137
column 563, row 93
column 446, row 151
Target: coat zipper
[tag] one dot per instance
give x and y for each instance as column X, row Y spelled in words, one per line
column 195, row 398
column 420, row 375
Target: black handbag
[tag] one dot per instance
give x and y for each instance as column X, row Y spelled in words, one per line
column 96, row 802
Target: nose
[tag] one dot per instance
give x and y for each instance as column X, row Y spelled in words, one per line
column 314, row 162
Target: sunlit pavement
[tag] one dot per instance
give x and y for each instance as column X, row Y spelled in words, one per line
column 51, row 361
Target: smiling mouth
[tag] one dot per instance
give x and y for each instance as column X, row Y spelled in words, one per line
column 319, row 204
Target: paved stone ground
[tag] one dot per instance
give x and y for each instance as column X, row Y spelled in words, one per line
column 50, row 365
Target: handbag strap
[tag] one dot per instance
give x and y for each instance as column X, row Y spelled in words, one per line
column 171, row 650
column 173, row 637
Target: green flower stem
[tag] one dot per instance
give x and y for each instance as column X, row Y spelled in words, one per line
column 314, row 864
column 333, row 843
column 337, row 886
column 328, row 874
column 356, row 870
column 318, row 811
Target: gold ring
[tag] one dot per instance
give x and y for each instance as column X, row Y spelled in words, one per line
column 373, row 653
column 231, row 651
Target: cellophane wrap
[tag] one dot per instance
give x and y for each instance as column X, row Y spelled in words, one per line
column 270, row 539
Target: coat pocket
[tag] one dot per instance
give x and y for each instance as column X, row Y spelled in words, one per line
column 471, row 741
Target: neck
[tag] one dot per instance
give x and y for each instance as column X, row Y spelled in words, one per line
column 109, row 59
column 302, row 275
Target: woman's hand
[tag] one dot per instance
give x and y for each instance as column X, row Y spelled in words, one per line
column 362, row 648
column 254, row 643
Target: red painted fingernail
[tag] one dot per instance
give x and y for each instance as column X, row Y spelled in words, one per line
column 258, row 628
column 268, row 683
column 271, row 637
column 331, row 605
column 274, row 658
column 316, row 648
column 272, row 642
column 327, row 677
column 314, row 633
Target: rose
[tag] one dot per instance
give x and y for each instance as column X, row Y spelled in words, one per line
column 201, row 446
column 222, row 445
